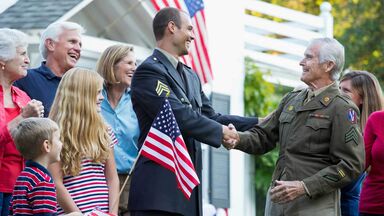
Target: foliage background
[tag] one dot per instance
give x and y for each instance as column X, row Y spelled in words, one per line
column 261, row 98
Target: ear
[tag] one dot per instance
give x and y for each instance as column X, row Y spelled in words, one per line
column 171, row 27
column 46, row 146
column 329, row 65
column 49, row 44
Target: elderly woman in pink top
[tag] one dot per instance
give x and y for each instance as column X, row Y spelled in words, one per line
column 15, row 105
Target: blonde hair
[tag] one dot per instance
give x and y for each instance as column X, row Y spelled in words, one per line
column 107, row 63
column 83, row 131
column 369, row 90
column 30, row 135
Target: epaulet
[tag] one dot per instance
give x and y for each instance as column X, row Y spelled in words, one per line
column 345, row 98
column 296, row 90
column 153, row 59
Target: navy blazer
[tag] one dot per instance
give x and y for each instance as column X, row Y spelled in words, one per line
column 153, row 187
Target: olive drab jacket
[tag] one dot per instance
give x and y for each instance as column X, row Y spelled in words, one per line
column 320, row 141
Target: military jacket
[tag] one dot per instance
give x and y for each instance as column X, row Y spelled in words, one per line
column 154, row 187
column 320, row 141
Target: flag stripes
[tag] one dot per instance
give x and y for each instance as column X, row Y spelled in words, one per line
column 165, row 146
column 198, row 57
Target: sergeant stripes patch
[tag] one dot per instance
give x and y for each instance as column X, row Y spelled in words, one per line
column 352, row 135
column 161, row 87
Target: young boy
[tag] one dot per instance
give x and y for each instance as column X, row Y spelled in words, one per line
column 38, row 141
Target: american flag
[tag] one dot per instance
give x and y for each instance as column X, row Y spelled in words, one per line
column 198, row 57
column 165, row 145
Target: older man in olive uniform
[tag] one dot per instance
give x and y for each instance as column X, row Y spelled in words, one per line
column 321, row 147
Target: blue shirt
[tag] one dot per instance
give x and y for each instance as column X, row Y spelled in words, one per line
column 125, row 125
column 40, row 84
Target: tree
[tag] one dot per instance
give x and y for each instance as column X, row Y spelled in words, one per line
column 261, row 98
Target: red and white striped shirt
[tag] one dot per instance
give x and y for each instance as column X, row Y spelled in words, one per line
column 89, row 189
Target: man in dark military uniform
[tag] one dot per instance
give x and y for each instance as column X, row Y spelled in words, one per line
column 321, row 147
column 153, row 188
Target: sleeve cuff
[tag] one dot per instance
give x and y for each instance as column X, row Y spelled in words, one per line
column 306, row 189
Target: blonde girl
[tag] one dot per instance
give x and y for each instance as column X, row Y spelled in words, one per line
column 86, row 177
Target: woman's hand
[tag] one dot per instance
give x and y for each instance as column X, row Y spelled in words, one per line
column 34, row 108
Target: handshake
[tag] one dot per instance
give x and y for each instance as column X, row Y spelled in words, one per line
column 230, row 137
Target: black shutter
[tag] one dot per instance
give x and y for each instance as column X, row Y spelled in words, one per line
column 219, row 184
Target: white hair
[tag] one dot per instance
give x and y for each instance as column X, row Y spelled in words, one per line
column 10, row 40
column 53, row 32
column 331, row 50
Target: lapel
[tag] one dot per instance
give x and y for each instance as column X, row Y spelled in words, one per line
column 319, row 101
column 170, row 69
column 173, row 73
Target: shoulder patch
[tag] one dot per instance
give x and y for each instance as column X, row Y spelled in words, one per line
column 161, row 87
column 352, row 116
column 345, row 98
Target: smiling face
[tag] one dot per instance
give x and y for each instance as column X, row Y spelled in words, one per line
column 315, row 74
column 184, row 35
column 66, row 50
column 99, row 97
column 125, row 69
column 17, row 67
column 346, row 88
column 56, row 146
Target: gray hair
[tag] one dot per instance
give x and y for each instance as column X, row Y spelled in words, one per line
column 331, row 50
column 53, row 32
column 10, row 40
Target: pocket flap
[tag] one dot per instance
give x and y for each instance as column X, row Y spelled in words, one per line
column 286, row 117
column 318, row 123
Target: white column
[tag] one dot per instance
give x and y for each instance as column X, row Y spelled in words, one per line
column 325, row 9
column 225, row 28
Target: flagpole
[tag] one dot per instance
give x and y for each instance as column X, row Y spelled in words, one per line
column 127, row 178
column 133, row 166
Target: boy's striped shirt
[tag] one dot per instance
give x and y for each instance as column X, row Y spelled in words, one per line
column 34, row 192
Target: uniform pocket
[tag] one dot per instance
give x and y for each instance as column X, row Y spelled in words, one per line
column 286, row 117
column 319, row 134
column 318, row 123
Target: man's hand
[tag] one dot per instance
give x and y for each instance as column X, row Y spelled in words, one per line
column 286, row 191
column 230, row 137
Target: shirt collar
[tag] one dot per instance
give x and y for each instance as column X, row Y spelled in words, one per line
column 46, row 71
column 320, row 90
column 32, row 163
column 170, row 57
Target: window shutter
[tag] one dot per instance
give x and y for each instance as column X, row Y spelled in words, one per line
column 219, row 183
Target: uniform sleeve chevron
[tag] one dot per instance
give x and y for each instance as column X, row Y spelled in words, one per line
column 161, row 87
column 352, row 135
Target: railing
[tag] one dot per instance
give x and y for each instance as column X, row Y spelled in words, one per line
column 279, row 46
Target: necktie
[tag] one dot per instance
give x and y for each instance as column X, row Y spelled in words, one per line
column 310, row 96
column 180, row 69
